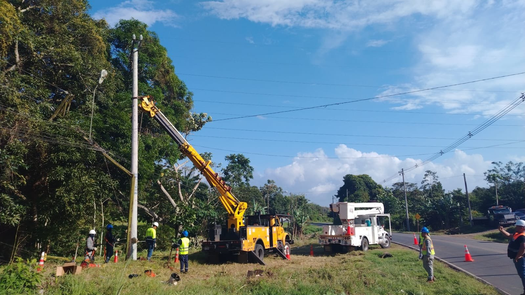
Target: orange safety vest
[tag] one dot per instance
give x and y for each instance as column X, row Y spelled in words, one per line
column 517, row 235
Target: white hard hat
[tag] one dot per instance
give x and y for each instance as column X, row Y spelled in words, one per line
column 520, row 223
column 92, row 232
column 156, row 224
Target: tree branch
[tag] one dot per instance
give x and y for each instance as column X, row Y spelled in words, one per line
column 168, row 196
column 150, row 212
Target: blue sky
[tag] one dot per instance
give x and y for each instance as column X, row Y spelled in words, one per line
column 262, row 69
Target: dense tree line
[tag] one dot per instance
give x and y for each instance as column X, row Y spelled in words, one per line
column 438, row 208
column 61, row 124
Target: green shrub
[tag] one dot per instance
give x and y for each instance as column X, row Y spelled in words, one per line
column 20, row 277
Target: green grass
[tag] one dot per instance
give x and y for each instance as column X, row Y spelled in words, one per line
column 495, row 235
column 353, row 273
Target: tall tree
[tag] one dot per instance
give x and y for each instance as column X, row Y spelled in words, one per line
column 358, row 188
column 238, row 171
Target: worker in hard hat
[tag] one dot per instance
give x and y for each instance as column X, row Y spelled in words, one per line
column 151, row 238
column 426, row 253
column 91, row 247
column 110, row 242
column 184, row 246
column 516, row 248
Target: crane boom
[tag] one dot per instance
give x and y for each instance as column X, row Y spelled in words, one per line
column 233, row 206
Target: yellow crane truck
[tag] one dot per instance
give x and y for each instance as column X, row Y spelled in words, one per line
column 245, row 239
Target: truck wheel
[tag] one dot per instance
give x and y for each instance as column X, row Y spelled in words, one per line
column 364, row 244
column 259, row 251
column 386, row 242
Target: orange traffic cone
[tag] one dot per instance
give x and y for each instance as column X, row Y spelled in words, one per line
column 176, row 256
column 468, row 258
column 41, row 262
column 115, row 260
column 311, row 250
column 415, row 240
column 287, row 250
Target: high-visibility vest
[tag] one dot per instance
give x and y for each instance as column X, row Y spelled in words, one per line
column 424, row 249
column 513, row 248
column 184, row 246
column 151, row 233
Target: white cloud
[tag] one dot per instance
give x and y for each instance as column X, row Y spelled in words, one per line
column 457, row 41
column 319, row 177
column 486, row 43
column 376, row 43
column 142, row 10
column 337, row 15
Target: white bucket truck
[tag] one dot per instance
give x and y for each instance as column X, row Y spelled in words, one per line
column 363, row 224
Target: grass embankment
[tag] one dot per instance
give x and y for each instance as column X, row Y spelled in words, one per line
column 495, row 235
column 353, row 273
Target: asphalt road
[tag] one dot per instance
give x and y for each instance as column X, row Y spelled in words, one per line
column 491, row 263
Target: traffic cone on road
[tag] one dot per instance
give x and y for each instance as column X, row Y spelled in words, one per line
column 468, row 258
column 176, row 256
column 41, row 262
column 415, row 240
column 287, row 250
column 311, row 250
column 115, row 260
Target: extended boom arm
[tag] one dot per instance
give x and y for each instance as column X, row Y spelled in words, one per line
column 234, row 207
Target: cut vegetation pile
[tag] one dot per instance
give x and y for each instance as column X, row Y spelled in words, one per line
column 353, row 273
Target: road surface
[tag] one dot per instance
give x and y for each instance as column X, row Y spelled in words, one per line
column 491, row 263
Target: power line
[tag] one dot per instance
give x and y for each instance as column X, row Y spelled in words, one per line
column 335, row 158
column 336, row 143
column 384, row 122
column 470, row 134
column 336, row 110
column 370, row 98
column 317, row 83
column 350, row 135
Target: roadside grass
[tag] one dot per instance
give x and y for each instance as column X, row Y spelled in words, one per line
column 354, row 273
column 495, row 235
column 464, row 229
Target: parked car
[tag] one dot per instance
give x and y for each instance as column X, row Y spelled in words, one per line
column 520, row 214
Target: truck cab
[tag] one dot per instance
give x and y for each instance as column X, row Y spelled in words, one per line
column 501, row 215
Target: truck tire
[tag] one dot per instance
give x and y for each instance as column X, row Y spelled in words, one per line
column 386, row 243
column 259, row 251
column 364, row 244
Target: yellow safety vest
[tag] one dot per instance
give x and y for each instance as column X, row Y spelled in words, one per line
column 185, row 246
column 424, row 249
column 151, row 233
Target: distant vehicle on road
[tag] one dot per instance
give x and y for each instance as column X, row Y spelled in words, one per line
column 497, row 215
column 520, row 214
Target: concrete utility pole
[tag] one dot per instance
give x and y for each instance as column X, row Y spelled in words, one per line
column 134, row 151
column 468, row 200
column 406, row 202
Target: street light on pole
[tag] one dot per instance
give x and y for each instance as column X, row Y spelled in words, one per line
column 103, row 75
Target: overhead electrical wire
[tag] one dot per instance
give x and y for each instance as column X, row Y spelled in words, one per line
column 324, row 142
column 370, row 98
column 338, row 157
column 384, row 122
column 334, row 110
column 469, row 135
column 319, row 84
column 350, row 135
